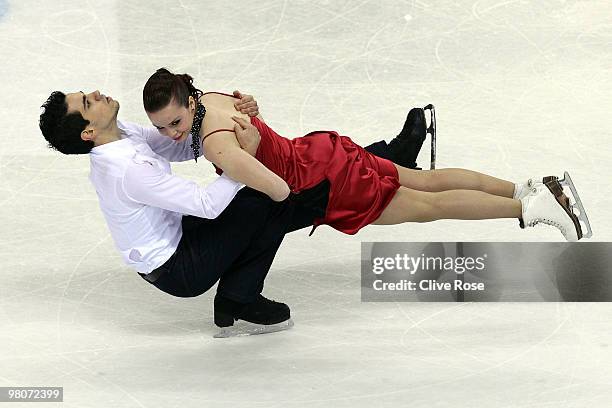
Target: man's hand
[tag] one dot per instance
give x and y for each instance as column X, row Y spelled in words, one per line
column 246, row 104
column 248, row 136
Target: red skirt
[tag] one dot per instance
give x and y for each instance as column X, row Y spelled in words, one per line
column 361, row 184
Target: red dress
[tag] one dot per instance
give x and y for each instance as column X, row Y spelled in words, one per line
column 361, row 184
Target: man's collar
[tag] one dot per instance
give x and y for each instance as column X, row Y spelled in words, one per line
column 123, row 145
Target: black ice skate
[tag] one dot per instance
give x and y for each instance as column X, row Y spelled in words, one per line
column 259, row 317
column 406, row 146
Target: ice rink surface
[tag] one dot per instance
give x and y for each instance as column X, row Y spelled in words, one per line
column 521, row 89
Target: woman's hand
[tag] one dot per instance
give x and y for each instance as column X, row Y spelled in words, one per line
column 246, row 104
column 248, row 136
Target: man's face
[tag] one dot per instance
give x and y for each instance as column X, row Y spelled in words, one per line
column 99, row 110
column 174, row 121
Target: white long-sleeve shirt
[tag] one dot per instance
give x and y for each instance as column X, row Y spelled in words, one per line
column 142, row 201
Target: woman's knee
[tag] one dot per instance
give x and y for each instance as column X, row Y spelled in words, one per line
column 429, row 204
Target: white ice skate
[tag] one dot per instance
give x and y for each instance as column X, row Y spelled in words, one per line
column 548, row 204
column 524, row 189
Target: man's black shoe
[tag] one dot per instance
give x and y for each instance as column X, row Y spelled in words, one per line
column 261, row 311
column 406, row 146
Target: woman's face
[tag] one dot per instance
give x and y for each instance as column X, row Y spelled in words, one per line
column 174, row 121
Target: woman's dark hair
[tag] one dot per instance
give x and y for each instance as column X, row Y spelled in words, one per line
column 164, row 86
column 62, row 129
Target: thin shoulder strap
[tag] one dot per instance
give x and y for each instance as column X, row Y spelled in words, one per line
column 218, row 130
column 219, row 93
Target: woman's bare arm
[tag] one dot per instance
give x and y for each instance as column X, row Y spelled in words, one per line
column 223, row 150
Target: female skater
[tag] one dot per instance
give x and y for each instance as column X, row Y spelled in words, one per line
column 364, row 189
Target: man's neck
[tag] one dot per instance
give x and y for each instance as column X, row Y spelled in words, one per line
column 108, row 135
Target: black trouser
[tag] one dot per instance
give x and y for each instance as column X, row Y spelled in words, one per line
column 381, row 149
column 238, row 247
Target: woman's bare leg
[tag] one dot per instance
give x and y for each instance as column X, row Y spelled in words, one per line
column 453, row 179
column 419, row 206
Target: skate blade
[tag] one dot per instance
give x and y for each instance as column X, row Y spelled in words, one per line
column 243, row 329
column 432, row 131
column 577, row 204
column 556, row 189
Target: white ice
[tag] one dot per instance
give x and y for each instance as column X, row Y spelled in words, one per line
column 521, row 89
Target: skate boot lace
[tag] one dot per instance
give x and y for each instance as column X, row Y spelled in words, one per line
column 546, row 221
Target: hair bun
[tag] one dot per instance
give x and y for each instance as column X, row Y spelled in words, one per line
column 188, row 79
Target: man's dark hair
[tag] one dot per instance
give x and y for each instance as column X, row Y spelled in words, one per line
column 62, row 129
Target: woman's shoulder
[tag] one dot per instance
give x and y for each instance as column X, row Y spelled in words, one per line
column 218, row 100
column 219, row 111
